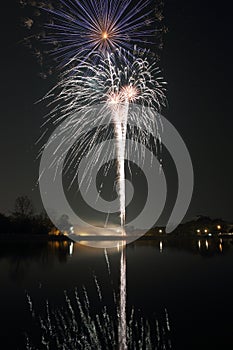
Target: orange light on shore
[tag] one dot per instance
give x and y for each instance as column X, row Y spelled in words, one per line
column 219, row 227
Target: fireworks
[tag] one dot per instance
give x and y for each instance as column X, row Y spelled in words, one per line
column 85, row 27
column 71, row 29
column 107, row 33
column 113, row 81
column 96, row 42
column 116, row 85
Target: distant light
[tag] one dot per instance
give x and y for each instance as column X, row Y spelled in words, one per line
column 83, row 234
column 219, row 227
column 210, row 234
column 198, row 231
column 160, row 231
column 206, row 230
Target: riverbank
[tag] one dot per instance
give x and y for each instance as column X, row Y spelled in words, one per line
column 30, row 237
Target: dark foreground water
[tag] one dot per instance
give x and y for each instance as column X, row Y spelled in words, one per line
column 191, row 279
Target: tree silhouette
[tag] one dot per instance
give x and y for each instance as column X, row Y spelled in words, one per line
column 23, row 207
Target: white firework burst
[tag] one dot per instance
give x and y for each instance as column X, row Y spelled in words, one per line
column 115, row 84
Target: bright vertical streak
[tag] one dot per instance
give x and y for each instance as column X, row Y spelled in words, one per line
column 120, row 114
column 122, row 325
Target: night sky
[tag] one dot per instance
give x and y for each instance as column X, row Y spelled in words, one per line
column 196, row 62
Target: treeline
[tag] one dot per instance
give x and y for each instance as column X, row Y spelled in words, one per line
column 24, row 220
column 201, row 225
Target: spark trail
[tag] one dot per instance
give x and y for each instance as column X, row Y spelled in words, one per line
column 120, row 114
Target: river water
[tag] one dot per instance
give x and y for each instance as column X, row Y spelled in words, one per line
column 184, row 282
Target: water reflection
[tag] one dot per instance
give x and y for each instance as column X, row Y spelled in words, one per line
column 206, row 247
column 36, row 250
column 220, row 247
column 87, row 323
column 153, row 267
column 71, row 248
column 20, row 254
column 161, row 246
column 49, row 252
column 75, row 326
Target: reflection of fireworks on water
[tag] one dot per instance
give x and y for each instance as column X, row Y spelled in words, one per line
column 83, row 325
column 122, row 324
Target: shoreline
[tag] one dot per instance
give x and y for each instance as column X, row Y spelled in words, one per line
column 47, row 238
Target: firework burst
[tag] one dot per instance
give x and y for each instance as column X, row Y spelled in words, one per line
column 116, row 85
column 84, row 27
column 116, row 79
column 71, row 29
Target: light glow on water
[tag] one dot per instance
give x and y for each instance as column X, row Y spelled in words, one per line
column 161, row 246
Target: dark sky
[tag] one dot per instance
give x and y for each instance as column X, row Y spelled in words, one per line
column 197, row 64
